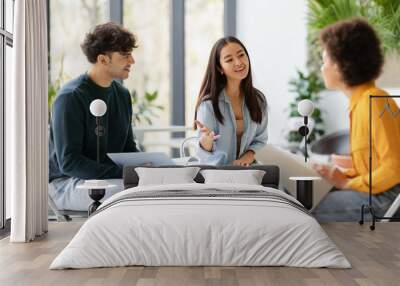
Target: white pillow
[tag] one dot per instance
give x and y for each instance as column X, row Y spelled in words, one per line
column 166, row 176
column 248, row 177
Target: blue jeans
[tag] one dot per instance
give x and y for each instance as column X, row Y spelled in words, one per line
column 66, row 196
column 345, row 205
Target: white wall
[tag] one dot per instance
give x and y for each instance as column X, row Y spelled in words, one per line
column 334, row 106
column 274, row 32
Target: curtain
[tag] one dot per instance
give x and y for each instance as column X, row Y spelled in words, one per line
column 26, row 123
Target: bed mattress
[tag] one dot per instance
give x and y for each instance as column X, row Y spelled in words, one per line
column 201, row 225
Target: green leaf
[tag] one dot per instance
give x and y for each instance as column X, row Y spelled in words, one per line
column 151, row 96
column 383, row 15
column 294, row 136
column 294, row 114
column 145, row 106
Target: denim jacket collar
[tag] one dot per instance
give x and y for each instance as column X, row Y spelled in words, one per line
column 224, row 97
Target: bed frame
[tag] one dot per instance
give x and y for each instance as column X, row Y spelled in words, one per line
column 270, row 179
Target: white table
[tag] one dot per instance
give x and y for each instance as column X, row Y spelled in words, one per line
column 155, row 128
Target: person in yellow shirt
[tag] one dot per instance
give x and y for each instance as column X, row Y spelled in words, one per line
column 352, row 60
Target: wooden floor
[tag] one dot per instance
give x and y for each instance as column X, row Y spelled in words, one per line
column 375, row 257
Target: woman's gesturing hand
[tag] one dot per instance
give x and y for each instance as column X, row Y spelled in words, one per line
column 207, row 137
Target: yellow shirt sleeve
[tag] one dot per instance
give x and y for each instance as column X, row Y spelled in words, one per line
column 351, row 173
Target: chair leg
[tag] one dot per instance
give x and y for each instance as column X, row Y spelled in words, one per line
column 361, row 221
column 59, row 216
column 393, row 209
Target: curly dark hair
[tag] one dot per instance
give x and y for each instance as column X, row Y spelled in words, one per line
column 107, row 38
column 356, row 48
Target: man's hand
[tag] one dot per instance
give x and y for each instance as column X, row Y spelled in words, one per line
column 246, row 160
column 332, row 174
column 207, row 137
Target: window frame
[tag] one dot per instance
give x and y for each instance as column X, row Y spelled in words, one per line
column 177, row 34
column 6, row 39
column 177, row 40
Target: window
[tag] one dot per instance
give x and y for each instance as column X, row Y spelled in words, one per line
column 203, row 27
column 149, row 20
column 157, row 25
column 6, row 43
column 8, row 74
column 9, row 15
column 69, row 22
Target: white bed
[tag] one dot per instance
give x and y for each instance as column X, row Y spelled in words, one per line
column 224, row 225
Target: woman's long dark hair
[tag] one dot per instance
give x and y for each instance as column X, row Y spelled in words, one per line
column 214, row 82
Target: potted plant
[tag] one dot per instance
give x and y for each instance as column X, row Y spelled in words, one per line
column 144, row 107
column 383, row 15
column 305, row 86
column 55, row 85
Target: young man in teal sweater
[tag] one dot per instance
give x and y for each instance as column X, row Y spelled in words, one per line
column 73, row 142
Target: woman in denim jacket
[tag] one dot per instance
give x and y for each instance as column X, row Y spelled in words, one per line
column 231, row 114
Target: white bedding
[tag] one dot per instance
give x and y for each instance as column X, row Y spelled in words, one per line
column 183, row 231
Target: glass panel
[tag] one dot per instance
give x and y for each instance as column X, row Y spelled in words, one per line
column 9, row 9
column 1, row 14
column 2, row 110
column 203, row 27
column 8, row 74
column 149, row 20
column 69, row 22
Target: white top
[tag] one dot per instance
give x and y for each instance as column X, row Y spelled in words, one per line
column 305, row 178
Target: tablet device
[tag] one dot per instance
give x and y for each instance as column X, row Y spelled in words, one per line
column 140, row 158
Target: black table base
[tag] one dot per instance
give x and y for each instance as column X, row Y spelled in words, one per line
column 304, row 190
column 96, row 195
